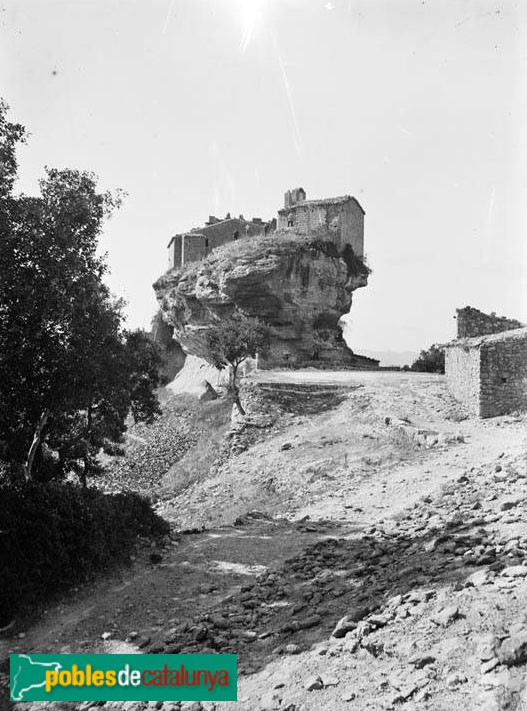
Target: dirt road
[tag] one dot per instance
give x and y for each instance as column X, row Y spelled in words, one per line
column 370, row 454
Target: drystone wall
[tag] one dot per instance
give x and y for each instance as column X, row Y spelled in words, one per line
column 472, row 323
column 462, row 369
column 504, row 375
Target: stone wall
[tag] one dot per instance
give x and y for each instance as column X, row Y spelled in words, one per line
column 462, row 369
column 472, row 323
column 488, row 374
column 340, row 221
column 194, row 248
column 504, row 374
column 197, row 244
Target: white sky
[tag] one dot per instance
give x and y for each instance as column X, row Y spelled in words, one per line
column 198, row 107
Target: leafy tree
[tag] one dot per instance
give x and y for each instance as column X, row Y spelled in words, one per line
column 71, row 373
column 231, row 341
column 430, row 361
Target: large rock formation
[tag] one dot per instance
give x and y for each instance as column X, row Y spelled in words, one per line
column 299, row 285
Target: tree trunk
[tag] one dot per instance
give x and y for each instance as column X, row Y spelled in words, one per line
column 37, row 437
column 238, row 403
column 234, row 389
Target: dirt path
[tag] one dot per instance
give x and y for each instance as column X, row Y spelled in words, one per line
column 347, row 469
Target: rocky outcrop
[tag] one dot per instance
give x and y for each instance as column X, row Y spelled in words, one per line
column 298, row 285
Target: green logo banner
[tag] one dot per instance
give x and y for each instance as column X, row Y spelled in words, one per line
column 123, row 677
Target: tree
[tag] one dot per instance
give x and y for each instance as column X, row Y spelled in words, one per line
column 230, row 342
column 71, row 373
column 430, row 361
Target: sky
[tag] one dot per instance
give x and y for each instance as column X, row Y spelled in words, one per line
column 418, row 108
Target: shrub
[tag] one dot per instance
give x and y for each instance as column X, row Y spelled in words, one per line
column 53, row 536
column 430, row 361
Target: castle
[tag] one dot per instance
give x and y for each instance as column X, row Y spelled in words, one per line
column 339, row 220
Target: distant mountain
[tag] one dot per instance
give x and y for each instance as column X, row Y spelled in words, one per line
column 388, row 358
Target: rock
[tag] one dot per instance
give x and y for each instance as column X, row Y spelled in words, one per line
column 268, row 279
column 379, row 620
column 480, row 577
column 486, row 646
column 513, row 650
column 496, row 700
column 372, row 645
column 445, row 616
column 209, row 394
column 351, row 644
column 515, row 571
column 348, row 695
column 313, row 684
column 455, row 679
column 344, row 625
column 508, row 504
column 328, row 680
column 292, row 649
column 421, row 659
column 487, row 667
column 270, row 701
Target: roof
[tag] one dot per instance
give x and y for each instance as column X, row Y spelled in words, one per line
column 478, row 341
column 341, row 200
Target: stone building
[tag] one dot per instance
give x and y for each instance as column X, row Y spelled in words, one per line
column 198, row 243
column 487, row 372
column 339, row 219
column 471, row 323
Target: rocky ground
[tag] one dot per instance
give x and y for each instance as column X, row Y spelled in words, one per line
column 385, row 565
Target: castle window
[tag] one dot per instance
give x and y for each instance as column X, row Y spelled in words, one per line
column 206, row 242
column 236, row 235
column 290, row 222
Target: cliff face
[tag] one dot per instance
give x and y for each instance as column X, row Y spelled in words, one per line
column 299, row 286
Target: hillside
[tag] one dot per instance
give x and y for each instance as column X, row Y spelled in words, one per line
column 365, row 547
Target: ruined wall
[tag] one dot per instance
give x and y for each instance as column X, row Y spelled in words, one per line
column 346, row 223
column 341, row 222
column 229, row 230
column 194, row 247
column 504, row 374
column 472, row 323
column 462, row 370
column 174, row 253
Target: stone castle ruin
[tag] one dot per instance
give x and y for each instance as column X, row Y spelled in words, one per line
column 339, row 220
column 486, row 366
column 198, row 243
column 300, row 281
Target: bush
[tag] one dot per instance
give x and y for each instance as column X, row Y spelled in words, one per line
column 53, row 536
column 430, row 361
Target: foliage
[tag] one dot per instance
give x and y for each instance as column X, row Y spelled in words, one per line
column 57, row 535
column 430, row 361
column 231, row 341
column 71, row 373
